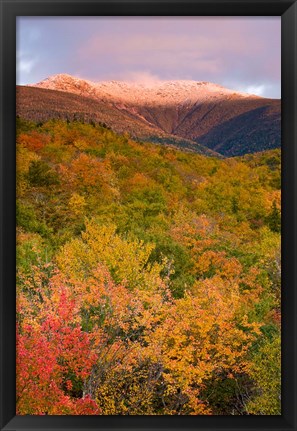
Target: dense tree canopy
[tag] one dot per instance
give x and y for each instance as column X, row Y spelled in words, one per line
column 148, row 278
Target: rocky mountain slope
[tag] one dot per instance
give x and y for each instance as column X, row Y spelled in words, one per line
column 40, row 104
column 187, row 113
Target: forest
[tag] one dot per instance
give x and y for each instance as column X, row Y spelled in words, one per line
column 148, row 277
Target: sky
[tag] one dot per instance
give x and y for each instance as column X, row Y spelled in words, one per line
column 241, row 53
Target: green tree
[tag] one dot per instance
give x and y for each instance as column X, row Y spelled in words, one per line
column 274, row 218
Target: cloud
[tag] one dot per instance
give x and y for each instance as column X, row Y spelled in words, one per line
column 259, row 90
column 241, row 50
column 25, row 64
column 268, row 89
column 167, row 56
column 145, row 78
column 25, row 68
column 207, row 50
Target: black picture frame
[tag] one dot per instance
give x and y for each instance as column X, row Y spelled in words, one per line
column 10, row 9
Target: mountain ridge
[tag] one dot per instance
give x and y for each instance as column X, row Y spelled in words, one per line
column 165, row 92
column 38, row 104
column 198, row 111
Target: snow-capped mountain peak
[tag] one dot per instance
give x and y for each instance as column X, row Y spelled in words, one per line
column 159, row 92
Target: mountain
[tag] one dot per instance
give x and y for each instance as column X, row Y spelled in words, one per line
column 196, row 115
column 40, row 104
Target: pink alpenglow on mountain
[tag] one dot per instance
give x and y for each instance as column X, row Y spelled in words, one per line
column 197, row 115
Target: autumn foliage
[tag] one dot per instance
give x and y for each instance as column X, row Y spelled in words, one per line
column 148, row 279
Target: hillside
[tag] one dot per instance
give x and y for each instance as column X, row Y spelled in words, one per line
column 229, row 122
column 148, row 277
column 39, row 104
